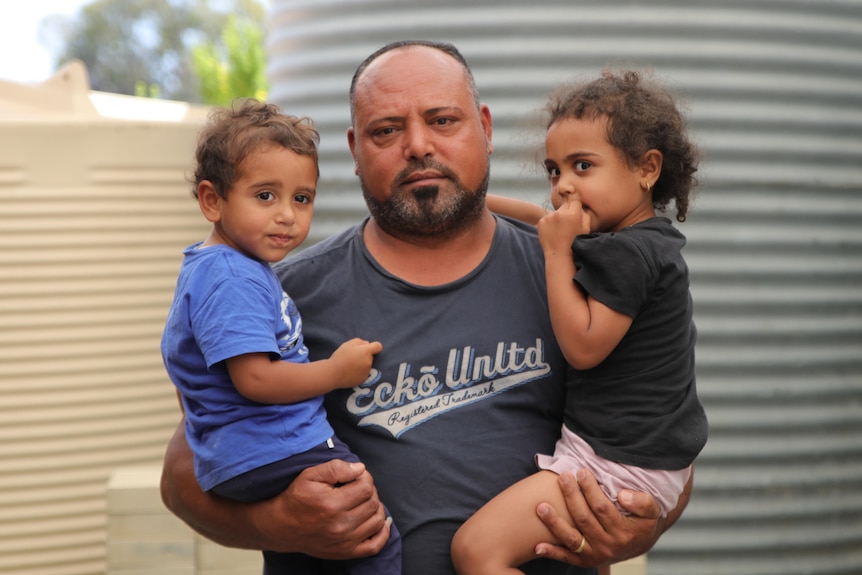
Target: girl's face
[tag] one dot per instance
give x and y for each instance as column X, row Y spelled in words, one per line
column 268, row 209
column 582, row 165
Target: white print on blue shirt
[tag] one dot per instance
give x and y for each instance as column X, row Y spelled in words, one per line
column 292, row 328
column 413, row 399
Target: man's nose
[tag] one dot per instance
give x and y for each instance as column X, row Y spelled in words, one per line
column 418, row 142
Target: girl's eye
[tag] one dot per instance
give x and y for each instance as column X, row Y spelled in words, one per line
column 553, row 172
column 302, row 199
column 582, row 166
column 266, row 196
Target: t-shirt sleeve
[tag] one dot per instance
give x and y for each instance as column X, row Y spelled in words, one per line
column 612, row 269
column 236, row 317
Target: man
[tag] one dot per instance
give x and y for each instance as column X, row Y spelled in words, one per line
column 469, row 384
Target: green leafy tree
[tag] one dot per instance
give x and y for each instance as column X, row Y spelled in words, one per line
column 235, row 68
column 126, row 44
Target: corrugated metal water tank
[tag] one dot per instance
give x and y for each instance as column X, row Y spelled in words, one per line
column 775, row 238
column 94, row 213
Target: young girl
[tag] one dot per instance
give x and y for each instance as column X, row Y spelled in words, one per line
column 233, row 342
column 616, row 150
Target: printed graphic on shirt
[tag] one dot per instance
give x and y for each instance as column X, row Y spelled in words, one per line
column 290, row 332
column 397, row 402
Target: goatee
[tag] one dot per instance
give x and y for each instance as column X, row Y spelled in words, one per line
column 424, row 212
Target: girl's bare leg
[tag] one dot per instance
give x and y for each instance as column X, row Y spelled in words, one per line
column 504, row 533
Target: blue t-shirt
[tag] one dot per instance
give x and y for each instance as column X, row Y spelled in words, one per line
column 225, row 305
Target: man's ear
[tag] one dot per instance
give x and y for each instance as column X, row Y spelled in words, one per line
column 351, row 144
column 650, row 168
column 487, row 126
column 209, row 201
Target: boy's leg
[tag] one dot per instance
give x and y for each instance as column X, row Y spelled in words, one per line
column 504, row 533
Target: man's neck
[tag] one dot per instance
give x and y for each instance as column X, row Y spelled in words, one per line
column 431, row 261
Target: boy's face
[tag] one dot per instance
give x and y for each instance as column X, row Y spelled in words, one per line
column 268, row 209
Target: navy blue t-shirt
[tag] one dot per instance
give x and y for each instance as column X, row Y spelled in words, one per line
column 468, row 388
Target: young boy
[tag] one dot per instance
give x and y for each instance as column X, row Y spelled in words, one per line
column 233, row 341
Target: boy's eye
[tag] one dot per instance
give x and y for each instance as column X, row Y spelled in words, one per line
column 302, row 199
column 265, row 195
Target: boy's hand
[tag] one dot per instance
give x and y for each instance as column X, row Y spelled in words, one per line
column 353, row 361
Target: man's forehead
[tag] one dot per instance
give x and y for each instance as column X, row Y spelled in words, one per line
column 410, row 54
column 408, row 66
column 396, row 83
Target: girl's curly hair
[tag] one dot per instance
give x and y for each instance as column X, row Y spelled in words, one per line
column 641, row 116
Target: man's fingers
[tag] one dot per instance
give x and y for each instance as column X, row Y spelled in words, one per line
column 569, row 537
column 638, row 503
column 379, row 535
column 598, row 509
column 613, row 535
column 596, row 533
column 340, row 501
column 584, row 540
column 335, row 472
column 583, row 496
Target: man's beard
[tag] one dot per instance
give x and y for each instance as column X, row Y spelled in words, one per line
column 425, row 212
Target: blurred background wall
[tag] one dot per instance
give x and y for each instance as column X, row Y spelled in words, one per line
column 775, row 238
column 94, row 213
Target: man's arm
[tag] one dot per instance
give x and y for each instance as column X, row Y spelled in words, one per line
column 611, row 537
column 330, row 511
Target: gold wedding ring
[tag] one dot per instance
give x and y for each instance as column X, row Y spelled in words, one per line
column 582, row 545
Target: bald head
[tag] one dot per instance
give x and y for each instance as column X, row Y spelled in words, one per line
column 444, row 48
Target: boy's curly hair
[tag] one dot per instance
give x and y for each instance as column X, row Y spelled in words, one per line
column 641, row 116
column 231, row 134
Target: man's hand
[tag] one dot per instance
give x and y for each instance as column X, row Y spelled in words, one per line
column 331, row 511
column 601, row 534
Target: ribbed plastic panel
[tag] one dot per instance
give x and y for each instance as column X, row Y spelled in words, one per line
column 775, row 238
column 93, row 218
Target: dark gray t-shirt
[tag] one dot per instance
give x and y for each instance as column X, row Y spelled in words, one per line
column 640, row 406
column 468, row 388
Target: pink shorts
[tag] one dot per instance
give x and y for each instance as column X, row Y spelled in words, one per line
column 572, row 453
